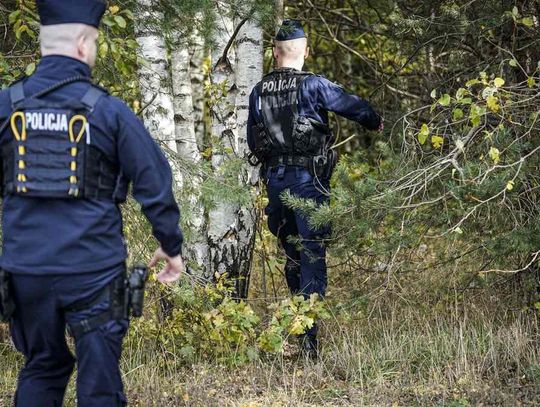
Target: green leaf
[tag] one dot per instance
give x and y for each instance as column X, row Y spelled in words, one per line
column 498, row 82
column 121, row 21
column 445, row 100
column 457, row 114
column 472, row 82
column 510, row 185
column 528, row 21
column 437, row 141
column 461, row 92
column 531, row 82
column 493, row 103
column 108, row 20
column 513, row 63
column 495, row 154
column 423, row 134
column 466, row 101
column 515, row 12
column 476, row 114
column 13, row 16
column 103, row 49
column 30, row 68
column 433, row 93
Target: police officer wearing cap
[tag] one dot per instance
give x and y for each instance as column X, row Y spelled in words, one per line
column 68, row 152
column 288, row 135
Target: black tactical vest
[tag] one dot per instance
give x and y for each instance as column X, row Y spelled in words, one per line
column 51, row 155
column 283, row 131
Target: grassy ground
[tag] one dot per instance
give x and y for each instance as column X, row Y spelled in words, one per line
column 475, row 350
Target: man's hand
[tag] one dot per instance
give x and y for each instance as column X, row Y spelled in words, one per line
column 172, row 270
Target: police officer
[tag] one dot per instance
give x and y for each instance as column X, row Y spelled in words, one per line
column 68, row 151
column 288, row 134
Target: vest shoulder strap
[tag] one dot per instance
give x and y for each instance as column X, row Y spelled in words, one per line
column 16, row 93
column 92, row 96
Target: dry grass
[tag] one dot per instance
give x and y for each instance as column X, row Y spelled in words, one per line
column 468, row 355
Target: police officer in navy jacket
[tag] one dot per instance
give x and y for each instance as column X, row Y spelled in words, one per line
column 288, row 135
column 68, row 152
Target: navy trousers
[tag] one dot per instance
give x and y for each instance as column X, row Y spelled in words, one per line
column 38, row 329
column 305, row 269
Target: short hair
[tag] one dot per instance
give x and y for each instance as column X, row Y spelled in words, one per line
column 60, row 36
column 291, row 48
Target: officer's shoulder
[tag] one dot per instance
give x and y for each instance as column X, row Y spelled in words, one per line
column 99, row 87
column 5, row 99
column 321, row 80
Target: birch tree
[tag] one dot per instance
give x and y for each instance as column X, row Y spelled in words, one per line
column 154, row 77
column 249, row 69
column 223, row 219
column 184, row 118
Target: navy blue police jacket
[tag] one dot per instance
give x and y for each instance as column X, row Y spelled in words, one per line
column 44, row 236
column 317, row 96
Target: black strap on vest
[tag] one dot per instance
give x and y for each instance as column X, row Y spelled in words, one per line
column 115, row 293
column 91, row 97
column 16, row 93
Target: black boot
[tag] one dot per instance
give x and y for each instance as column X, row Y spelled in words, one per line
column 292, row 274
column 309, row 346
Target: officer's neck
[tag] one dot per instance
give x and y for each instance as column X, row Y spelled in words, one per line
column 297, row 64
column 66, row 52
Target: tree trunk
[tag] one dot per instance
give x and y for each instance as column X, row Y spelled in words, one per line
column 197, row 77
column 196, row 247
column 249, row 70
column 223, row 218
column 154, row 76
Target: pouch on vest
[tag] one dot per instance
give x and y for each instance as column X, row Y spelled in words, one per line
column 50, row 153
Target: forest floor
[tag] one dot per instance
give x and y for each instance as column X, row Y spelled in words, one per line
column 472, row 350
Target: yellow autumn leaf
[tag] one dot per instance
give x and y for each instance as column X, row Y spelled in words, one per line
column 114, row 9
column 424, row 133
column 510, row 185
column 493, row 103
column 498, row 82
column 495, row 154
column 437, row 141
column 296, row 328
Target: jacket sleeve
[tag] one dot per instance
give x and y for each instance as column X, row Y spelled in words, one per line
column 334, row 98
column 145, row 165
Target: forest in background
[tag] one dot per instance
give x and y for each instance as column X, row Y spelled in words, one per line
column 433, row 259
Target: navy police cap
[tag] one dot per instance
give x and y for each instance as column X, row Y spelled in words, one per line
column 290, row 30
column 87, row 12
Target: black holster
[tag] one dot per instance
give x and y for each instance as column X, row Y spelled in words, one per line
column 126, row 299
column 136, row 284
column 323, row 165
column 7, row 305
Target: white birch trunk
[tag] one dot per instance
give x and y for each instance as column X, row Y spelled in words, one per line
column 154, row 78
column 223, row 218
column 197, row 77
column 196, row 248
column 249, row 70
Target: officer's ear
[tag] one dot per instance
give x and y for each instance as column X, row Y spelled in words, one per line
column 306, row 55
column 82, row 47
column 275, row 53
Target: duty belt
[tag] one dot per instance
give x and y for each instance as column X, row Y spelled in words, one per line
column 292, row 160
